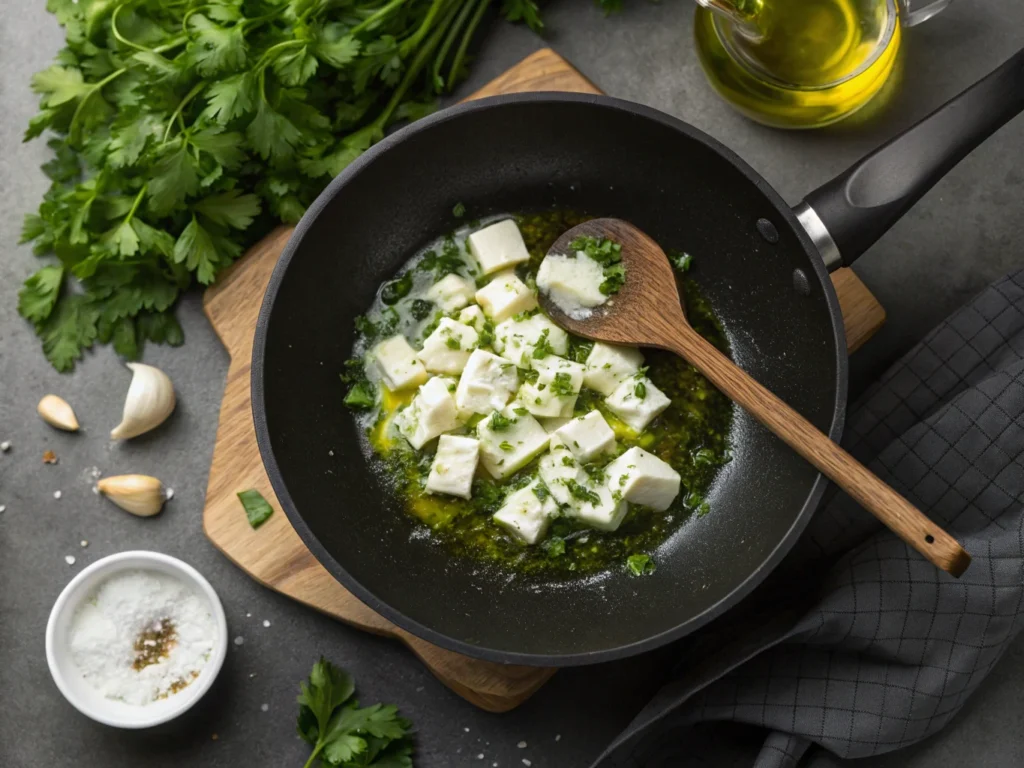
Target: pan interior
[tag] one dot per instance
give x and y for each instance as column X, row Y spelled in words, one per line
column 598, row 157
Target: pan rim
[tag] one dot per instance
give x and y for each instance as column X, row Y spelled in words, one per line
column 338, row 571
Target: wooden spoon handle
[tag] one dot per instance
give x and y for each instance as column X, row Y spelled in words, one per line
column 902, row 517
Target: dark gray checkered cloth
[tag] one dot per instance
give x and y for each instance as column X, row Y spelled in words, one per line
column 856, row 643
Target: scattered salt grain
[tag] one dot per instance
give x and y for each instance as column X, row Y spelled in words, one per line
column 266, row 623
column 417, row 690
column 57, row 494
column 480, row 756
column 3, row 507
column 69, row 559
column 248, row 615
column 558, row 737
column 239, row 640
column 96, row 490
column 264, row 707
column 169, row 493
column 466, row 730
column 5, row 446
column 527, row 762
column 330, row 453
column 521, row 745
column 84, row 543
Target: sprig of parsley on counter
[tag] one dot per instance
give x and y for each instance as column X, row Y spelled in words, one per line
column 344, row 734
column 185, row 130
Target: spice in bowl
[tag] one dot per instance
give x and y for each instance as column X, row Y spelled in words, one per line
column 141, row 636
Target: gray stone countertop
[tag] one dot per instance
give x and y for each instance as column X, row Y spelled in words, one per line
column 963, row 234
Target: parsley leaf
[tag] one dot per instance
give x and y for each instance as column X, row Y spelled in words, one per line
column 681, row 260
column 257, row 510
column 640, row 565
column 344, row 734
column 500, row 423
column 581, row 492
column 362, row 396
column 543, row 347
column 562, row 385
column 37, row 297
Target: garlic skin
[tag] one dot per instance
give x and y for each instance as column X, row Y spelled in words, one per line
column 141, row 495
column 149, row 402
column 56, row 412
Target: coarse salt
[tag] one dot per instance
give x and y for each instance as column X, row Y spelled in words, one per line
column 141, row 636
column 3, row 507
column 266, row 623
column 239, row 640
column 264, row 707
column 521, row 745
column 5, row 446
column 69, row 559
column 56, row 494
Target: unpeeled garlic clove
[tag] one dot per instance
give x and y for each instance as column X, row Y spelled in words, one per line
column 56, row 412
column 149, row 402
column 139, row 494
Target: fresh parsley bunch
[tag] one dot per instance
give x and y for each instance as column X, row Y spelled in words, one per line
column 344, row 734
column 186, row 128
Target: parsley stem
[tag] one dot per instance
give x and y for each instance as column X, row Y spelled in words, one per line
column 409, row 44
column 315, row 753
column 181, row 105
column 376, row 16
column 135, row 205
column 414, row 68
column 117, row 34
column 460, row 54
column 81, row 103
column 449, row 41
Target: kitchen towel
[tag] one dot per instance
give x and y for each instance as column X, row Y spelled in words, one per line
column 856, row 643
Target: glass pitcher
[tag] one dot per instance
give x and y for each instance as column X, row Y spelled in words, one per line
column 803, row 63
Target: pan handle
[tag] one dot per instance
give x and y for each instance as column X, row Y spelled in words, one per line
column 846, row 215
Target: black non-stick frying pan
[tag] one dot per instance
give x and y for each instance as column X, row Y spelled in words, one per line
column 763, row 266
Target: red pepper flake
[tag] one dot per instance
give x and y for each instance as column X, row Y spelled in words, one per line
column 49, row 457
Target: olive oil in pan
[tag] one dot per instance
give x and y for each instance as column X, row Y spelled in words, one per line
column 818, row 62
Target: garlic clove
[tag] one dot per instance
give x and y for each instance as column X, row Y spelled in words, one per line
column 56, row 412
column 149, row 402
column 139, row 494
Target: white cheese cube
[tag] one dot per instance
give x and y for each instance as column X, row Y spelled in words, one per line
column 430, row 413
column 518, row 339
column 473, row 317
column 556, row 389
column 603, row 509
column 509, row 441
column 557, row 468
column 498, row 246
column 524, row 515
column 587, row 437
column 398, row 365
column 451, row 292
column 554, row 423
column 506, row 295
column 448, row 348
column 637, row 401
column 454, row 465
column 572, row 282
column 642, row 478
column 608, row 366
column 487, row 383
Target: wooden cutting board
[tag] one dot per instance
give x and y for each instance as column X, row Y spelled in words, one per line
column 274, row 555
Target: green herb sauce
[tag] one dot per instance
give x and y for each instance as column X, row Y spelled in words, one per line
column 692, row 435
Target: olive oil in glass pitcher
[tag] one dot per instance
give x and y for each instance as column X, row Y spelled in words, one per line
column 803, row 63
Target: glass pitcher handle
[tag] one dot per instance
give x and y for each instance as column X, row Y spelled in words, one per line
column 913, row 12
column 745, row 14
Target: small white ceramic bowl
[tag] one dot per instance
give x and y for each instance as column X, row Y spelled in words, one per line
column 80, row 693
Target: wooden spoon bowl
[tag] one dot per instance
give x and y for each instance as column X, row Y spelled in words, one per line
column 648, row 312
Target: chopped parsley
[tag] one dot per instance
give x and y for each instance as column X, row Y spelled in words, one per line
column 362, row 396
column 506, row 446
column 554, row 546
column 581, row 492
column 681, row 260
column 562, row 385
column 500, row 423
column 452, row 342
column 541, row 491
column 448, row 262
column 396, row 290
column 528, row 374
column 640, row 565
column 568, row 461
column 640, row 390
column 487, row 334
column 608, row 254
column 579, row 349
column 257, row 510
column 420, row 309
column 543, row 347
column 366, row 327
column 459, row 210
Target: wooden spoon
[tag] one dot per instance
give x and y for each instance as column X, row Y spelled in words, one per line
column 648, row 312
